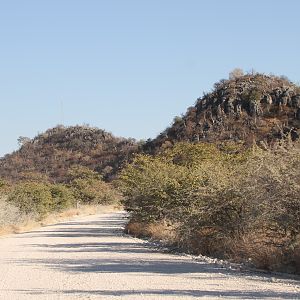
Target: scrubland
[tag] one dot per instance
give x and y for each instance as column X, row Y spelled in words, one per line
column 30, row 203
column 222, row 200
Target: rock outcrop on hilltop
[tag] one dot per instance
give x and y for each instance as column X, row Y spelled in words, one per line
column 53, row 152
column 249, row 108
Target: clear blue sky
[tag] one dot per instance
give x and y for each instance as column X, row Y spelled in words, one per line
column 130, row 66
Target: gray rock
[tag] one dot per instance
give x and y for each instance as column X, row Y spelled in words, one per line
column 229, row 106
column 298, row 114
column 238, row 109
column 285, row 100
column 294, row 134
column 254, row 108
column 296, row 101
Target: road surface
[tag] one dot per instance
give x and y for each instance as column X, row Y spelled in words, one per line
column 89, row 258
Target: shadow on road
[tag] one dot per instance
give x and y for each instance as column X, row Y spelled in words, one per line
column 120, row 261
column 176, row 293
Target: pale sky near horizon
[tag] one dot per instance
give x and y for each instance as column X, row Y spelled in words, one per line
column 130, row 66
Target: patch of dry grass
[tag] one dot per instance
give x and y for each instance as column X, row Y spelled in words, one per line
column 156, row 231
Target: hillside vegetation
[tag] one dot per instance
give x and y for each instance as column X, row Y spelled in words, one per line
column 252, row 108
column 50, row 155
column 33, row 200
column 223, row 180
column 225, row 201
column 61, row 169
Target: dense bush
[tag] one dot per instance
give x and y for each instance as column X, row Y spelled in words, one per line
column 40, row 198
column 170, row 185
column 32, row 197
column 35, row 197
column 89, row 188
column 216, row 197
column 62, row 197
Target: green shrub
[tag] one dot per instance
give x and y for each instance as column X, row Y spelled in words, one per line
column 40, row 198
column 178, row 184
column 32, row 198
column 89, row 188
column 62, row 197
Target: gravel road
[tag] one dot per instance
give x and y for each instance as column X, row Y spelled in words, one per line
column 89, row 258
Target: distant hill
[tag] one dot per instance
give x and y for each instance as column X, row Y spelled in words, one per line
column 49, row 155
column 248, row 108
column 252, row 108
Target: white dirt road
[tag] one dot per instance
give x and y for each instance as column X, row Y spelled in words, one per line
column 89, row 258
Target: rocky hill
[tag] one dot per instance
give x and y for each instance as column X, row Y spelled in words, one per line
column 249, row 108
column 252, row 108
column 50, row 154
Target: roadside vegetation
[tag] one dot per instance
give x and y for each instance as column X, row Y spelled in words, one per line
column 219, row 200
column 34, row 199
column 190, row 186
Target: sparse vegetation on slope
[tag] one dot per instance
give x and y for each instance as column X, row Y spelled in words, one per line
column 253, row 108
column 50, row 155
column 61, row 169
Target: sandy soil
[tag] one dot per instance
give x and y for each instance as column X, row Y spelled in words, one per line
column 89, row 258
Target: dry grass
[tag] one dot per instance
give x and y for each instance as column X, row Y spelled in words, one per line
column 157, row 231
column 136, row 229
column 10, row 216
column 264, row 252
column 253, row 248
